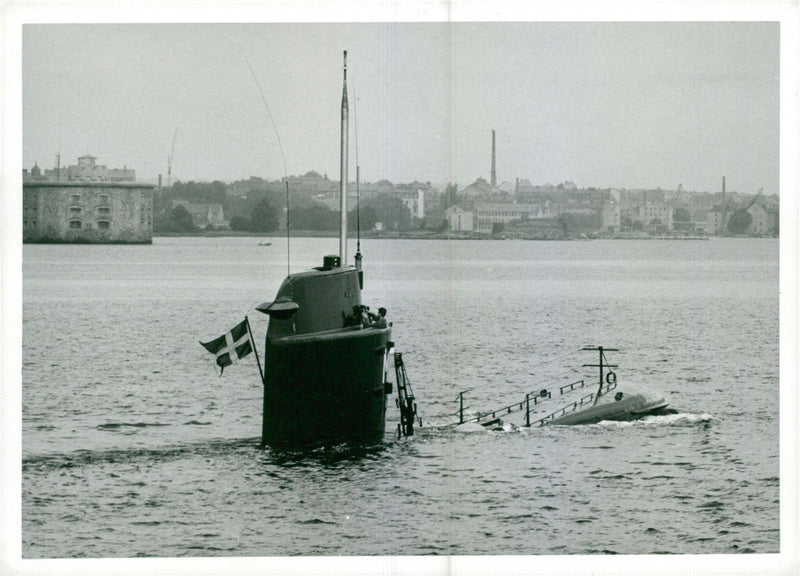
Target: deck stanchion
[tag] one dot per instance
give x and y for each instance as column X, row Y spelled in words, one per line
column 527, row 410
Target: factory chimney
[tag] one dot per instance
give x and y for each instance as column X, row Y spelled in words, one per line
column 494, row 169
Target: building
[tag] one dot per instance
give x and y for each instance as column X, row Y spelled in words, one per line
column 87, row 212
column 655, row 217
column 764, row 217
column 204, row 214
column 700, row 204
column 527, row 193
column 414, row 200
column 718, row 220
column 480, row 191
column 88, row 171
column 313, row 182
column 612, row 218
column 489, row 214
column 590, row 201
column 460, row 220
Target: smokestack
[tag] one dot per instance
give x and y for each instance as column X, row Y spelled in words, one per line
column 494, row 169
column 724, row 205
column 58, row 167
column 724, row 208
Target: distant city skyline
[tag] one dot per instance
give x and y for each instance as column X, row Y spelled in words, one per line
column 605, row 105
column 49, row 173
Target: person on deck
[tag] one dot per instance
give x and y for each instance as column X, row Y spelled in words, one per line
column 379, row 320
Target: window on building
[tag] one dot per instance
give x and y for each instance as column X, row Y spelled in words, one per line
column 75, row 210
column 104, row 210
column 103, row 224
column 75, row 224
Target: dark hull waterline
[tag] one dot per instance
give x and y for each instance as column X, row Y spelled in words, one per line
column 324, row 389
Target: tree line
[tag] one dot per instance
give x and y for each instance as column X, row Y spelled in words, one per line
column 264, row 209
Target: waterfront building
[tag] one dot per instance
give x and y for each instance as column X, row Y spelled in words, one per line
column 718, row 219
column 203, row 213
column 460, row 220
column 87, row 212
column 414, row 200
column 655, row 215
column 699, row 205
column 583, row 201
column 611, row 217
column 489, row 214
column 765, row 218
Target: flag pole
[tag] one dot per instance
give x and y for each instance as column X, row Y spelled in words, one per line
column 255, row 350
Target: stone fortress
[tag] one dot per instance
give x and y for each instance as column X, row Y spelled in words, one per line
column 86, row 203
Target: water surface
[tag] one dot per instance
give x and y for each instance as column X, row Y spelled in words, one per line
column 134, row 446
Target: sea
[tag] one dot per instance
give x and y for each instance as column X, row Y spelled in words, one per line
column 134, row 446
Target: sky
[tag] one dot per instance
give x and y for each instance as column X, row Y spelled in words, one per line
column 601, row 104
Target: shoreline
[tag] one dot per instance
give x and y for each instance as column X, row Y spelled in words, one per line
column 402, row 236
column 437, row 236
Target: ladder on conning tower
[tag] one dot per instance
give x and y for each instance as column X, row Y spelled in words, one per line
column 405, row 398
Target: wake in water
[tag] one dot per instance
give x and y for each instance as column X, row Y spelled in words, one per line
column 344, row 452
column 676, row 418
column 208, row 449
column 78, row 458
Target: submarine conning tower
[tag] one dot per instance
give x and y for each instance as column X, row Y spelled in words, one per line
column 325, row 298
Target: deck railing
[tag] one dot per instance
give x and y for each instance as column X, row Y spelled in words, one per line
column 572, row 386
column 588, row 399
column 533, row 399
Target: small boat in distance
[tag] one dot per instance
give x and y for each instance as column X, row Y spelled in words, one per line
column 326, row 357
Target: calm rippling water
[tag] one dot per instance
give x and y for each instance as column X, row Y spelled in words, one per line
column 133, row 446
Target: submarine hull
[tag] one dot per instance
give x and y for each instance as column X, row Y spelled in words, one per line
column 325, row 388
column 623, row 403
